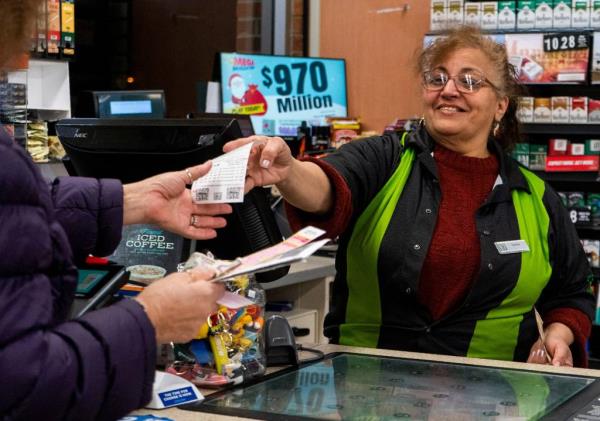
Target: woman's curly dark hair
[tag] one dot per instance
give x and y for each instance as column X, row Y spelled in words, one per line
column 508, row 132
column 17, row 18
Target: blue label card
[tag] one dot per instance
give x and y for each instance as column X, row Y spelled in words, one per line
column 177, row 396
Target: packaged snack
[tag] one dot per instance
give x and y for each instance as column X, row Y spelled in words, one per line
column 229, row 346
column 343, row 130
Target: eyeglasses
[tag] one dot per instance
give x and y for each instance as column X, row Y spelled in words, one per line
column 467, row 82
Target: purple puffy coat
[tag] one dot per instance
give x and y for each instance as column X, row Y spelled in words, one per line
column 98, row 367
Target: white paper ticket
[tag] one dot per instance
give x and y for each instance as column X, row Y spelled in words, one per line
column 224, row 183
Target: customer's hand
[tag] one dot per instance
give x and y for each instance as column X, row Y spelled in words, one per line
column 179, row 304
column 558, row 338
column 164, row 200
column 270, row 160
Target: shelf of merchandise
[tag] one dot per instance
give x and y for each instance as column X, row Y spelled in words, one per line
column 561, row 129
column 569, row 177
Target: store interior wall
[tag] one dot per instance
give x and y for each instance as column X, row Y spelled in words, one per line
column 378, row 39
column 167, row 45
column 175, row 44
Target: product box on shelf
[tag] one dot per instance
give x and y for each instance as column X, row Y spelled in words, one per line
column 455, row 15
column 472, row 14
column 439, row 17
column 592, row 147
column 507, row 15
column 543, row 14
column 561, row 107
column 595, row 70
column 593, row 202
column 489, row 15
column 557, row 147
column 521, row 153
column 579, row 109
column 593, row 110
column 592, row 252
column 580, row 14
column 595, row 13
column 526, row 14
column 576, row 149
column 53, row 26
column 542, row 110
column 537, row 157
column 575, row 199
column 562, row 14
column 525, row 109
column 572, row 163
column 67, row 19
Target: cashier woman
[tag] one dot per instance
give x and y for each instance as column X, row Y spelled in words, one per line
column 100, row 366
column 446, row 244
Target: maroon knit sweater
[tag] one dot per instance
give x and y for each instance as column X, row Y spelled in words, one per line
column 452, row 261
column 453, row 258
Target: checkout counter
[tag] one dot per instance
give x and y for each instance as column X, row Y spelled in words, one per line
column 381, row 384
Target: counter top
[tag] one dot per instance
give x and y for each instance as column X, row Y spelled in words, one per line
column 314, row 267
column 178, row 414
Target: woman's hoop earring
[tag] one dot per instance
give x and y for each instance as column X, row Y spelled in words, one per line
column 496, row 128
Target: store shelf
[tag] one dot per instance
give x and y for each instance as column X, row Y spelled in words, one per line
column 569, row 177
column 517, row 31
column 595, row 228
column 561, row 129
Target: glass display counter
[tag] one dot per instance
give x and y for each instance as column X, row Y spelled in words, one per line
column 355, row 386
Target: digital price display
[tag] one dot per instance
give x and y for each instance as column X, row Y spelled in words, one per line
column 566, row 42
column 279, row 92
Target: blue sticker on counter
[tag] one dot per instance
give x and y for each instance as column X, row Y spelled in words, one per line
column 177, row 396
column 144, row 418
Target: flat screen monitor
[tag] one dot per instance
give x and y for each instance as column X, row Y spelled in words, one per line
column 280, row 92
column 129, row 104
column 131, row 150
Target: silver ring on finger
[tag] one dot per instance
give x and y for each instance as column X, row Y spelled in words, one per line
column 193, row 220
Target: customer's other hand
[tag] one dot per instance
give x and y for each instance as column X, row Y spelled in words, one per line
column 270, row 160
column 557, row 348
column 179, row 304
column 164, row 200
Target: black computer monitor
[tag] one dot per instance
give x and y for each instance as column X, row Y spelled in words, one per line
column 131, row 150
column 129, row 104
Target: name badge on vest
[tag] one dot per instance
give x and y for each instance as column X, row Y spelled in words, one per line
column 512, row 246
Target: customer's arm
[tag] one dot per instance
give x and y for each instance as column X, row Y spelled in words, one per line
column 91, row 213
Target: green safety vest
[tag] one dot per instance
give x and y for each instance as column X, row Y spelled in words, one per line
column 496, row 335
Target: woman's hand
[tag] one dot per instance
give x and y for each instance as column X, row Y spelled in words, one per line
column 179, row 304
column 558, row 339
column 164, row 200
column 270, row 160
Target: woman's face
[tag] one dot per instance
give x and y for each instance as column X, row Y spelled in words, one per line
column 454, row 115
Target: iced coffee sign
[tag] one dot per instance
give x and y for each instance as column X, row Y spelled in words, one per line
column 148, row 252
column 550, row 57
